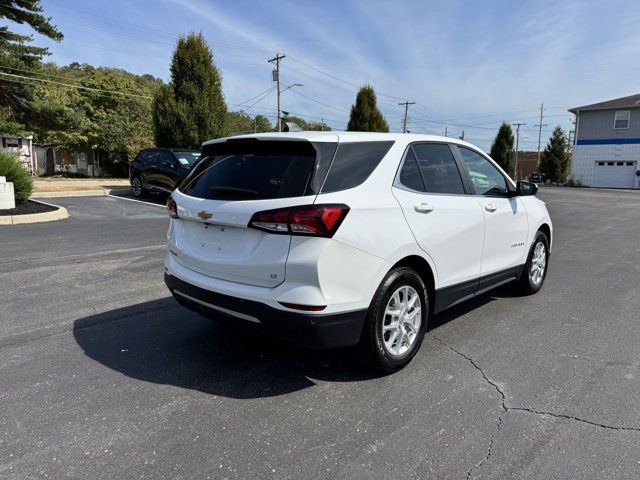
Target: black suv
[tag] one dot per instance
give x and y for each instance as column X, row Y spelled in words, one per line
column 160, row 169
column 536, row 177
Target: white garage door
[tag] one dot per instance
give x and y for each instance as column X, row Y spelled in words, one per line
column 615, row 174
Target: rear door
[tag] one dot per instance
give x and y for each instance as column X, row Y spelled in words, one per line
column 506, row 220
column 224, row 190
column 152, row 159
column 447, row 223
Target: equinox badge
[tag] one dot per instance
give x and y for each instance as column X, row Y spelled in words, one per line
column 204, row 215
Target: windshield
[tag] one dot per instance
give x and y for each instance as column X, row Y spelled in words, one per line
column 186, row 157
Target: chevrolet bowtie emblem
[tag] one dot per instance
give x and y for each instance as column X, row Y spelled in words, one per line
column 204, row 215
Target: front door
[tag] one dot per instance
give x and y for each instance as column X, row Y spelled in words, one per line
column 447, row 223
column 506, row 225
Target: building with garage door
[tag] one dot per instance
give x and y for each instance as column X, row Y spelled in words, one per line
column 606, row 150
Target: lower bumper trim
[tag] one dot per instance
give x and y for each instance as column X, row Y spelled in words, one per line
column 310, row 330
column 215, row 307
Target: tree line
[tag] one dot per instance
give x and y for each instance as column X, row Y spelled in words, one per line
column 82, row 107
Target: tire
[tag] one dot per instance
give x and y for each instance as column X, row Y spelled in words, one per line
column 378, row 346
column 532, row 279
column 137, row 189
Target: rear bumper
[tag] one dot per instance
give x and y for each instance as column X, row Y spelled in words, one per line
column 310, row 330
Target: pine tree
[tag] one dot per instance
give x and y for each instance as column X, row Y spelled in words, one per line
column 365, row 116
column 502, row 149
column 554, row 162
column 191, row 109
column 16, row 51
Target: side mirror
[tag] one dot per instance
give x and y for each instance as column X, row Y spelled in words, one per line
column 168, row 164
column 526, row 188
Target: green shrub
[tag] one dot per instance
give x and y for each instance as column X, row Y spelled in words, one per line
column 11, row 168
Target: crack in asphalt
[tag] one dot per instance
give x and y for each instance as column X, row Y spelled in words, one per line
column 506, row 408
column 577, row 419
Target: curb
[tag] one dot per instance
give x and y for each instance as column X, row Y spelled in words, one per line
column 79, row 193
column 59, row 214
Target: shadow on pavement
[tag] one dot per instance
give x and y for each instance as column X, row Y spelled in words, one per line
column 161, row 342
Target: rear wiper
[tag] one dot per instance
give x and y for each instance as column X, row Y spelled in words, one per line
column 233, row 192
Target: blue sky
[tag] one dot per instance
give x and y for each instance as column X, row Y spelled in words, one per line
column 468, row 65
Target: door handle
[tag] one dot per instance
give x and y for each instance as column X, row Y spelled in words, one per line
column 423, row 208
column 490, row 207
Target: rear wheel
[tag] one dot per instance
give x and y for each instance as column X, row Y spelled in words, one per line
column 535, row 270
column 137, row 189
column 396, row 321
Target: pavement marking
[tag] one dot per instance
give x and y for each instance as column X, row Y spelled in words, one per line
column 134, row 200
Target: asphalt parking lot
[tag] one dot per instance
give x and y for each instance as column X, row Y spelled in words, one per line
column 103, row 375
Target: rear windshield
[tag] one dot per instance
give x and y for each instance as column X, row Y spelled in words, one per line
column 186, row 157
column 252, row 170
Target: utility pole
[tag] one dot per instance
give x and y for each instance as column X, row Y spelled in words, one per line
column 275, row 76
column 517, row 125
column 445, row 131
column 461, row 137
column 540, row 125
column 406, row 111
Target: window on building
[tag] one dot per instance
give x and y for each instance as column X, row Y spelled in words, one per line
column 629, row 164
column 610, row 164
column 601, row 164
column 622, row 119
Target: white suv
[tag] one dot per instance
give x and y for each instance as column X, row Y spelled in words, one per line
column 336, row 239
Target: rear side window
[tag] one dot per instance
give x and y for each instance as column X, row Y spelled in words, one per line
column 410, row 174
column 353, row 163
column 438, row 168
column 252, row 170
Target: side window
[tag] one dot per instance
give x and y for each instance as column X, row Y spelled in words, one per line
column 438, row 168
column 143, row 156
column 164, row 156
column 151, row 157
column 353, row 163
column 410, row 174
column 486, row 178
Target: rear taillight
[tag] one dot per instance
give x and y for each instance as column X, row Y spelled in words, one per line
column 172, row 208
column 311, row 220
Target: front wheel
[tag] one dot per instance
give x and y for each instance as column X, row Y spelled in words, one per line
column 535, row 270
column 396, row 321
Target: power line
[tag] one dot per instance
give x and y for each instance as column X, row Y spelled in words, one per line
column 91, row 89
column 260, row 99
column 269, row 90
column 319, row 102
column 43, row 74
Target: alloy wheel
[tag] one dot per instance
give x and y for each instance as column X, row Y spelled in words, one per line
column 538, row 264
column 136, row 186
column 402, row 319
